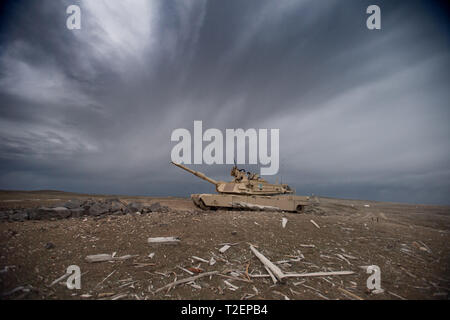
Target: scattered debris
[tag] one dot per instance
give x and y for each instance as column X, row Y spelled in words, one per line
column 107, row 257
column 173, row 284
column 231, row 286
column 266, row 262
column 164, row 240
column 224, row 248
column 283, row 222
column 49, row 245
column 318, row 274
column 281, row 294
column 200, row 259
column 109, row 275
column 314, row 223
column 350, row 294
column 66, row 275
column 185, row 270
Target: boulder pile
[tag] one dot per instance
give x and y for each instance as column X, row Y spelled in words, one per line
column 77, row 208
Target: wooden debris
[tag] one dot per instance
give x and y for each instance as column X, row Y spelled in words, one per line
column 396, row 295
column 185, row 270
column 224, row 248
column 164, row 240
column 266, row 262
column 281, row 294
column 200, row 259
column 185, row 280
column 314, row 223
column 66, row 275
column 235, row 278
column 195, row 270
column 318, row 274
column 271, row 275
column 349, row 256
column 340, row 256
column 119, row 296
column 283, row 222
column 20, row 288
column 231, row 286
column 143, row 265
column 350, row 294
column 105, row 279
column 105, row 294
column 307, row 245
column 107, row 257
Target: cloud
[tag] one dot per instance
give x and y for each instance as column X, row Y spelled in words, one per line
column 361, row 113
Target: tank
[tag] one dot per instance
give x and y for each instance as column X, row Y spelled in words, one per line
column 247, row 191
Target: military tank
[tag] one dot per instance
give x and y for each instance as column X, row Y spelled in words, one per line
column 247, row 191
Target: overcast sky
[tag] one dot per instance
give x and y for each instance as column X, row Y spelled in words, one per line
column 363, row 114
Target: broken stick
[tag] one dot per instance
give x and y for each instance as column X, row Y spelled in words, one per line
column 266, row 262
column 173, row 284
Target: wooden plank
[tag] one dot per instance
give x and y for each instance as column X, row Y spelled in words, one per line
column 163, row 240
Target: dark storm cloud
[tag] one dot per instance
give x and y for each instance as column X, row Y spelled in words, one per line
column 362, row 114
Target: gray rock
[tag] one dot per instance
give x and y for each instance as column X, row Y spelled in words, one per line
column 49, row 245
column 52, row 213
column 98, row 208
column 77, row 212
column 157, row 207
column 19, row 216
column 135, row 206
column 73, row 204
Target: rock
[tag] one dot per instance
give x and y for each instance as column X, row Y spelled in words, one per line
column 98, row 208
column 157, row 207
column 135, row 206
column 77, row 212
column 52, row 213
column 49, row 246
column 116, row 205
column 19, row 216
column 73, row 204
column 234, row 233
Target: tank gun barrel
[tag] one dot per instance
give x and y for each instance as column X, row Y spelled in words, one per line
column 196, row 173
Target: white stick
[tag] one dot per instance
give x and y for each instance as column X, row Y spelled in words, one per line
column 318, row 274
column 314, row 223
column 224, row 248
column 271, row 275
column 60, row 279
column 275, row 270
column 283, row 222
column 163, row 240
column 200, row 259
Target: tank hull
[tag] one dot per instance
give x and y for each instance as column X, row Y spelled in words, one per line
column 290, row 203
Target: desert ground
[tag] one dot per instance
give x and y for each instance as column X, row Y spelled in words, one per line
column 409, row 243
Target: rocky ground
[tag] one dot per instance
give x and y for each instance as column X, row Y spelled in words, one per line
column 42, row 233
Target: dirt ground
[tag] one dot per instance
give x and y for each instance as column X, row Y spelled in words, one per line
column 409, row 243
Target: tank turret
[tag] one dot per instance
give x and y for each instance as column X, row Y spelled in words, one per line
column 243, row 183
